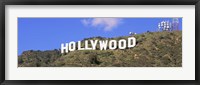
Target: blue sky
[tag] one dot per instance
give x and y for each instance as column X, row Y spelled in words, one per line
column 49, row 33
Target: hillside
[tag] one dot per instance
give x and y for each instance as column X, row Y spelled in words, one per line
column 153, row 49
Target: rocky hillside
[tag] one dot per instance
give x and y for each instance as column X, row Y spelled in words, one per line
column 153, row 49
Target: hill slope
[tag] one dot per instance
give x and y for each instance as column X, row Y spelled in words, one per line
column 153, row 49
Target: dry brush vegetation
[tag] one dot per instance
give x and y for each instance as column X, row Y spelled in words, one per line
column 153, row 49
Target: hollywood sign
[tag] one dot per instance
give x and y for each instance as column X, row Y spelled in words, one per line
column 103, row 44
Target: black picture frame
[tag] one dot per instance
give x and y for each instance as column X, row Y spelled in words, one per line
column 98, row 2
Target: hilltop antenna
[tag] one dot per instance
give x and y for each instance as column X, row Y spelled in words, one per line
column 175, row 24
column 164, row 26
column 159, row 26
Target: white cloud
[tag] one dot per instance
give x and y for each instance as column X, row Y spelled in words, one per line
column 85, row 22
column 107, row 24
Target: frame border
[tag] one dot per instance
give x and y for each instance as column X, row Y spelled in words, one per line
column 98, row 2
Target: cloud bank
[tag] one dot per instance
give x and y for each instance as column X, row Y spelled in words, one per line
column 107, row 24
